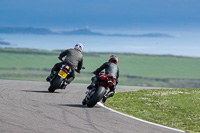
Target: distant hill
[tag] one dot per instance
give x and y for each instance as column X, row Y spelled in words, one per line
column 83, row 31
column 25, row 30
column 2, row 42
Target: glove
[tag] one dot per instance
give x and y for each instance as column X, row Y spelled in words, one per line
column 94, row 73
column 78, row 71
column 60, row 58
column 116, row 82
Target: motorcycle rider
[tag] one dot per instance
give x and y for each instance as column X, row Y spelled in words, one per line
column 111, row 69
column 74, row 59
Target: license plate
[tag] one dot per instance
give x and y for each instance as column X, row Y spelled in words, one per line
column 62, row 74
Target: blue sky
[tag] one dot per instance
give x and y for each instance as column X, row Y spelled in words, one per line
column 102, row 14
column 179, row 18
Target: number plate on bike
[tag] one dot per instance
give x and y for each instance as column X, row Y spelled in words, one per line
column 62, row 74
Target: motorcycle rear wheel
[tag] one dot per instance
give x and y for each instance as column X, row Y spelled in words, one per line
column 84, row 102
column 54, row 84
column 96, row 97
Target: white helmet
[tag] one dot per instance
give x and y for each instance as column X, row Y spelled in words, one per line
column 79, row 46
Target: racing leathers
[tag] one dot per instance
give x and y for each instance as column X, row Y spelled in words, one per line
column 110, row 69
column 73, row 58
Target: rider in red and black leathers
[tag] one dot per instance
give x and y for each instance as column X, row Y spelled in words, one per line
column 73, row 58
column 111, row 69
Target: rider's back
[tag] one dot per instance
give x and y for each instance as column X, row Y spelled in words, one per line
column 110, row 69
column 73, row 56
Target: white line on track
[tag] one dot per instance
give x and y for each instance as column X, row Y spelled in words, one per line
column 102, row 105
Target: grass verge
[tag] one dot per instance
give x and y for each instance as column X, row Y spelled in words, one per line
column 177, row 108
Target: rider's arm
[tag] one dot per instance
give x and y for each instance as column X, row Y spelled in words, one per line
column 80, row 64
column 117, row 76
column 98, row 70
column 64, row 53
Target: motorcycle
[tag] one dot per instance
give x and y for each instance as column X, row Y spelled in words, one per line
column 59, row 79
column 96, row 94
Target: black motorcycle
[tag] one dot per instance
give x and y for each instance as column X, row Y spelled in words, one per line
column 96, row 94
column 59, row 79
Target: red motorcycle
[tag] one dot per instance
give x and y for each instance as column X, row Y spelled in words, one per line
column 101, row 88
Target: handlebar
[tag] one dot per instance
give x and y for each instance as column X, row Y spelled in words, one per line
column 94, row 73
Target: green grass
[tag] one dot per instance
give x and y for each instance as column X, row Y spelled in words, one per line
column 150, row 66
column 177, row 108
column 145, row 70
column 160, row 66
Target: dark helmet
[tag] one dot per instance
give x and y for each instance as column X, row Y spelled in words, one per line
column 113, row 59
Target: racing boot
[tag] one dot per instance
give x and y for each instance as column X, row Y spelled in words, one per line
column 64, row 85
column 92, row 85
column 67, row 81
column 109, row 94
column 104, row 98
column 49, row 78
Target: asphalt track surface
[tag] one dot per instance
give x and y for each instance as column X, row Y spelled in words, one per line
column 27, row 107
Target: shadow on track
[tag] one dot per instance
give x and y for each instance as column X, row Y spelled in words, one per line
column 74, row 105
column 36, row 91
column 77, row 105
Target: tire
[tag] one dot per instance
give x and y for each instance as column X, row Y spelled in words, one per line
column 54, row 84
column 96, row 97
column 84, row 102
